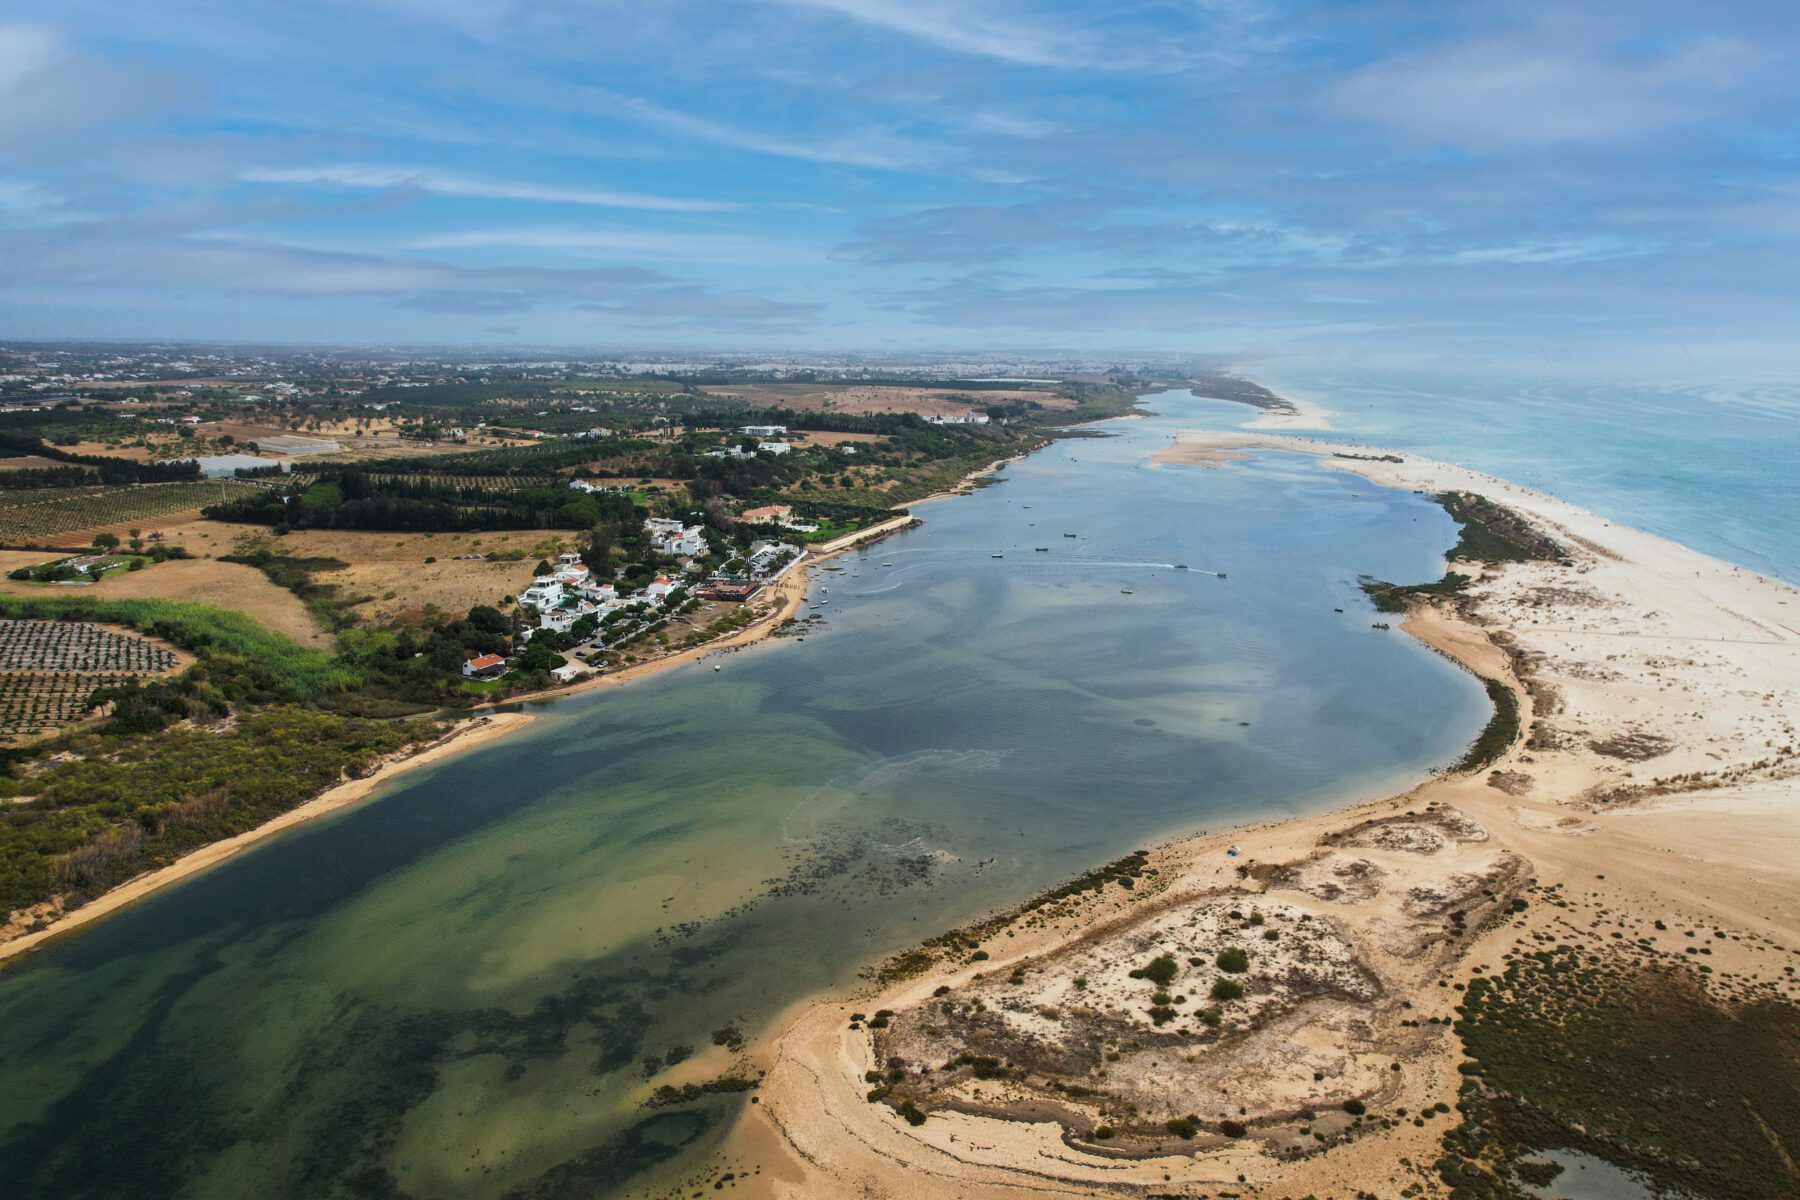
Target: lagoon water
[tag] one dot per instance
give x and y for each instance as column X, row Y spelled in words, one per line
column 451, row 991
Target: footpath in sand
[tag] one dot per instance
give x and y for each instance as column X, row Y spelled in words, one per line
column 1108, row 1040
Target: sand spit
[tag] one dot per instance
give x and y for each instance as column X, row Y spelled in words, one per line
column 1083, row 1045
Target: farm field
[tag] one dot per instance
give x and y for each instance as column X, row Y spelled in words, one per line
column 201, row 581
column 48, row 669
column 50, row 513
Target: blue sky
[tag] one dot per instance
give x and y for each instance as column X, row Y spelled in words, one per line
column 1613, row 182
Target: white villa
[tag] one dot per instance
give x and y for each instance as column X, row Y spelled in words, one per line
column 544, row 594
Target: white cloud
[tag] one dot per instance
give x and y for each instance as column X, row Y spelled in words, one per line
column 48, row 91
column 869, row 149
column 631, row 243
column 439, row 183
column 1552, row 83
column 955, row 27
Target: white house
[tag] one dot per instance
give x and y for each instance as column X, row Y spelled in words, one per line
column 764, row 431
column 545, row 593
column 683, row 540
column 772, row 447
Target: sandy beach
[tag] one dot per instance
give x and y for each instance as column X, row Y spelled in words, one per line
column 1652, row 795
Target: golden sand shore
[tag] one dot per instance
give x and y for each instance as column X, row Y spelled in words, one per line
column 1656, row 793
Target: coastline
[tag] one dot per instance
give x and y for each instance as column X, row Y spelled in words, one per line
column 483, row 726
column 466, row 735
column 1645, row 672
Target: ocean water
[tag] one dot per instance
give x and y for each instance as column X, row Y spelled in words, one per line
column 452, row 990
column 1709, row 463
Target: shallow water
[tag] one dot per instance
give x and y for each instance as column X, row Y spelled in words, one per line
column 450, row 991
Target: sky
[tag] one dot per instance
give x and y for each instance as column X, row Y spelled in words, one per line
column 1595, row 182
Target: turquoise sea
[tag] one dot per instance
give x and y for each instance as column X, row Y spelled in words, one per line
column 468, row 986
column 1711, row 463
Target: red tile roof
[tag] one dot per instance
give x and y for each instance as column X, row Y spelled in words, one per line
column 484, row 662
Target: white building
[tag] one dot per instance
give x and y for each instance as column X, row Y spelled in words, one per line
column 687, row 540
column 764, row 431
column 544, row 594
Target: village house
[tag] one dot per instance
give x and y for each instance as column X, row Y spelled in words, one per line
column 570, row 570
column 486, row 666
column 764, row 431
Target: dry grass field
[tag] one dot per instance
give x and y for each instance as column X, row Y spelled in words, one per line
column 195, row 581
column 390, row 568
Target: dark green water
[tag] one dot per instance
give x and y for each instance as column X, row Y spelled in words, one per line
column 449, row 991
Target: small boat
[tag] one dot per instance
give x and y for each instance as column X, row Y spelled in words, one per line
column 1125, row 591
column 1379, row 625
column 1181, row 566
column 1221, row 574
column 716, row 668
column 999, row 556
column 1068, row 535
column 1043, row 549
column 887, row 564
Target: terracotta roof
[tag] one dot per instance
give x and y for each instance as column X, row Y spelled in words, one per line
column 484, row 662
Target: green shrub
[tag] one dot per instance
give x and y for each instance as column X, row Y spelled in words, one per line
column 1162, row 970
column 1227, row 989
column 1234, row 959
